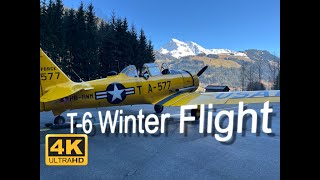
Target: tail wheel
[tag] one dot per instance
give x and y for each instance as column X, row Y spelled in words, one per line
column 59, row 120
column 158, row 108
column 195, row 113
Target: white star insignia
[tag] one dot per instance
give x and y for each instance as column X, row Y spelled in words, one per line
column 116, row 94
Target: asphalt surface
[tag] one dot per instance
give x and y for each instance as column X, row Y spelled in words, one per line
column 172, row 155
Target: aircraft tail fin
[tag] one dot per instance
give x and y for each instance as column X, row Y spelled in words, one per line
column 54, row 83
column 50, row 73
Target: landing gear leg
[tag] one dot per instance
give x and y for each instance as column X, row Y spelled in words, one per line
column 196, row 113
column 158, row 108
column 59, row 120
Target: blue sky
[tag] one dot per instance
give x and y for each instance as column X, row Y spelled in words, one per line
column 231, row 24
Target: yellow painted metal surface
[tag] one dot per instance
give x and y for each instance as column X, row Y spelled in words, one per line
column 58, row 93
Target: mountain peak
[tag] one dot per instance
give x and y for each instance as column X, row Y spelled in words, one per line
column 178, row 49
column 177, row 41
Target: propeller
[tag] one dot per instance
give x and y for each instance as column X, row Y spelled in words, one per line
column 202, row 70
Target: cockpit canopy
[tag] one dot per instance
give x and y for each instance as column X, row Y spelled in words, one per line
column 130, row 70
column 148, row 69
column 151, row 68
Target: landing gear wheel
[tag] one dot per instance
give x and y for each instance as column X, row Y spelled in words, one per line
column 59, row 120
column 195, row 113
column 158, row 108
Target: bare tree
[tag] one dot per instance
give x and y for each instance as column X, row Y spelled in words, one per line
column 251, row 74
column 242, row 75
column 276, row 82
column 259, row 68
column 274, row 67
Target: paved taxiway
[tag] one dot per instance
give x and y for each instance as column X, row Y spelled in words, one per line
column 171, row 155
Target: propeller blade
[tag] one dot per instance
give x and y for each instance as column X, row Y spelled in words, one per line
column 201, row 71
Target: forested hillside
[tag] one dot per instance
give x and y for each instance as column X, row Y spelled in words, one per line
column 78, row 41
column 259, row 70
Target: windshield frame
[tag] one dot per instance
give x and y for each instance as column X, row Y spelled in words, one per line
column 130, row 71
column 152, row 69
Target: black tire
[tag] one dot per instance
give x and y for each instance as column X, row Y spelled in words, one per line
column 165, row 71
column 59, row 120
column 80, row 131
column 195, row 113
column 93, row 131
column 158, row 108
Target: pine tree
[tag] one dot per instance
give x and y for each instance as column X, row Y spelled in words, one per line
column 107, row 50
column 101, row 36
column 75, row 41
column 133, row 41
column 69, row 41
column 49, row 22
column 58, row 29
column 92, row 43
column 80, row 64
column 150, row 52
column 43, row 25
column 119, row 45
column 142, row 50
column 54, row 24
column 124, row 50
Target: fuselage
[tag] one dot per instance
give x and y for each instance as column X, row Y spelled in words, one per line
column 121, row 90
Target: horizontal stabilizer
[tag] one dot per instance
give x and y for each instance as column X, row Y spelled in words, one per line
column 63, row 90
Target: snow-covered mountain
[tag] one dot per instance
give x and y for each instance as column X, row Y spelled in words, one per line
column 180, row 49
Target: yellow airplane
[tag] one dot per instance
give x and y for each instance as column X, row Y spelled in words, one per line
column 158, row 86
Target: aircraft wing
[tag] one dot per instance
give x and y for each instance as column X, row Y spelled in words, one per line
column 196, row 98
column 63, row 90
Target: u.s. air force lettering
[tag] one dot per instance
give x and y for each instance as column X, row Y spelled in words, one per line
column 115, row 93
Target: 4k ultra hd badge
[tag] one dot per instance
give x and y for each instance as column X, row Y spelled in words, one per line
column 66, row 149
